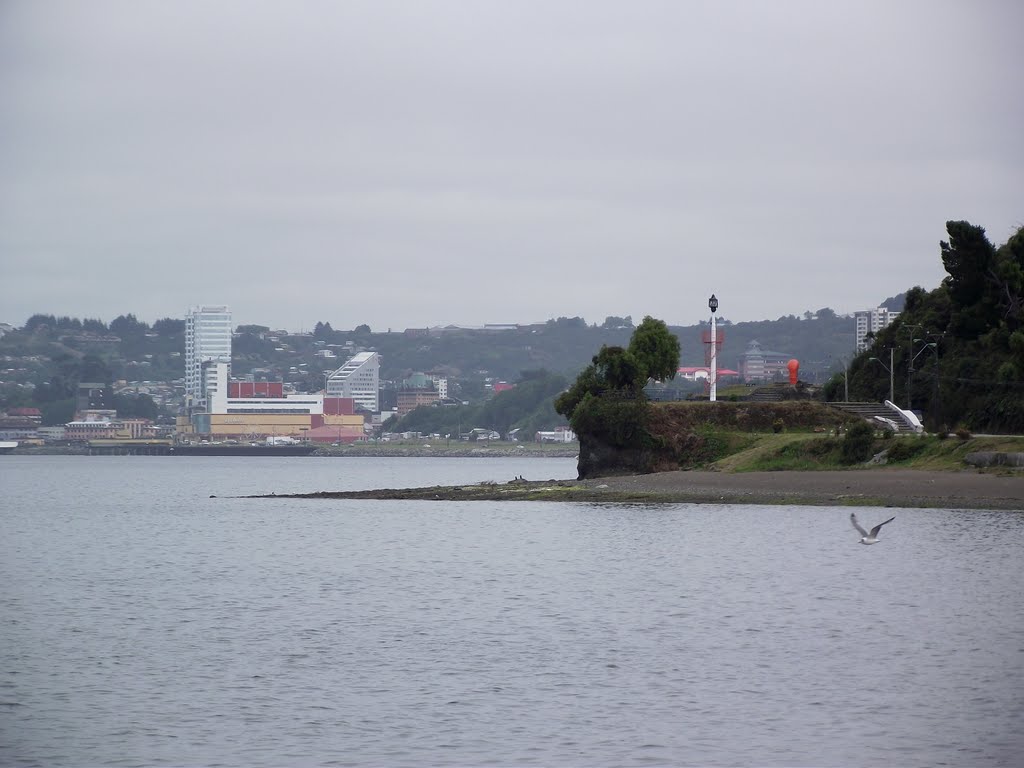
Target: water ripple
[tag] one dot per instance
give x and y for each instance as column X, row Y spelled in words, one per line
column 148, row 628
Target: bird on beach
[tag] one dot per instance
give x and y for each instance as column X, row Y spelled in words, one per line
column 868, row 538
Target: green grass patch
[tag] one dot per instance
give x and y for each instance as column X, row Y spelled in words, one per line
column 776, row 453
column 810, row 453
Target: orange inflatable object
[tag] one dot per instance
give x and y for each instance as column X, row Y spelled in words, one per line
column 794, row 369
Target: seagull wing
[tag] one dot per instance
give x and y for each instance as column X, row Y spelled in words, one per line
column 853, row 519
column 877, row 528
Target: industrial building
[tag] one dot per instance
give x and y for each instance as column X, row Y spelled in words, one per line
column 246, row 411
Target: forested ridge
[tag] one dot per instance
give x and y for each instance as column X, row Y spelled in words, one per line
column 957, row 351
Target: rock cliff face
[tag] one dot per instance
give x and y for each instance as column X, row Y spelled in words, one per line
column 598, row 459
column 689, row 435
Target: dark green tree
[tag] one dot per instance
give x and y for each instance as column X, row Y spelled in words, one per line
column 127, row 326
column 39, row 321
column 655, row 349
column 620, row 369
column 858, row 443
column 169, row 326
column 92, row 368
column 139, row 406
column 612, row 322
column 969, row 260
column 606, row 403
column 587, row 384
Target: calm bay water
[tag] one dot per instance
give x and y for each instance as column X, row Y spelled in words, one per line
column 144, row 623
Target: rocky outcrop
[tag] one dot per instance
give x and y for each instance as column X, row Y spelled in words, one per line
column 598, row 459
column 995, row 459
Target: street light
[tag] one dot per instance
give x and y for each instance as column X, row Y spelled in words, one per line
column 913, row 357
column 910, row 365
column 846, row 376
column 889, row 368
column 713, row 305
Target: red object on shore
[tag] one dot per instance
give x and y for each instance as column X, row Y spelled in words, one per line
column 794, row 369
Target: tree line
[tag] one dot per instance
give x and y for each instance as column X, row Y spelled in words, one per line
column 956, row 353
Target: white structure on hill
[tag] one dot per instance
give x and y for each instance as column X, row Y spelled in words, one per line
column 359, row 378
column 871, row 321
column 207, row 342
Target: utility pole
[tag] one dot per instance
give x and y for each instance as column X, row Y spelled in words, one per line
column 936, row 404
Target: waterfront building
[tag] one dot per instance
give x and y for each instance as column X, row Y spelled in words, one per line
column 871, row 321
column 557, row 435
column 93, row 396
column 358, row 378
column 411, row 399
column 759, row 364
column 207, row 343
column 247, row 411
column 83, row 431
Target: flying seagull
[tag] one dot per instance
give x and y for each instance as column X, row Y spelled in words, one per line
column 868, row 538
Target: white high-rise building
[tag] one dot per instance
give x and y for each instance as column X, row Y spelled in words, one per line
column 207, row 342
column 871, row 320
column 359, row 378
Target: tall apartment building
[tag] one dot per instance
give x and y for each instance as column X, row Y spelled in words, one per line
column 207, row 343
column 359, row 378
column 871, row 321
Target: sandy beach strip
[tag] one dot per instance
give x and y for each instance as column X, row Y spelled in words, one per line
column 875, row 487
column 881, row 487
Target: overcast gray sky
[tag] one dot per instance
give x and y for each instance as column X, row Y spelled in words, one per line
column 406, row 164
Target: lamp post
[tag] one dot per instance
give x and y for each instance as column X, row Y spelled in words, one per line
column 913, row 357
column 910, row 364
column 909, row 368
column 889, row 368
column 846, row 376
column 713, row 305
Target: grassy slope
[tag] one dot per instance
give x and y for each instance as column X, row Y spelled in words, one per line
column 802, row 451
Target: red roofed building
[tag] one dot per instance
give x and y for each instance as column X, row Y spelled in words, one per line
column 335, row 434
column 31, row 414
column 700, row 373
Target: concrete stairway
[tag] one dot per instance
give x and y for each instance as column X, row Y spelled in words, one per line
column 869, row 411
column 770, row 393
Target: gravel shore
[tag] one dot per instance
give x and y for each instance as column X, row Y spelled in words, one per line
column 882, row 487
column 875, row 487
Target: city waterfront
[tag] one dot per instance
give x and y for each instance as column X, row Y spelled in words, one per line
column 154, row 617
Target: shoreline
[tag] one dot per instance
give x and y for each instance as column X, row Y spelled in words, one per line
column 367, row 451
column 901, row 488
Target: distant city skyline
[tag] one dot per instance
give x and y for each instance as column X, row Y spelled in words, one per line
column 416, row 164
column 184, row 316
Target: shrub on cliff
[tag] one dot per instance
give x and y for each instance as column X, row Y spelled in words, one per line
column 613, row 422
column 607, row 400
column 858, row 443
